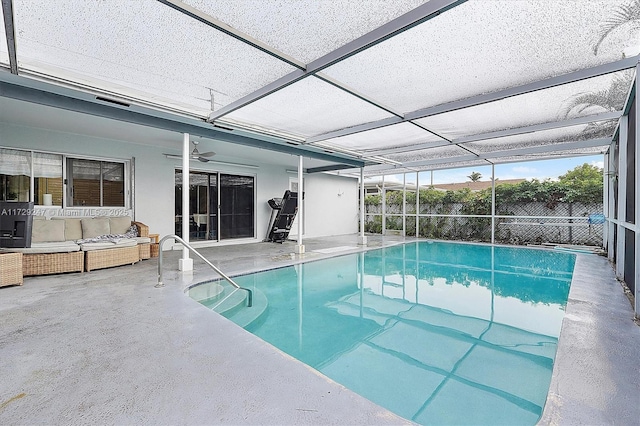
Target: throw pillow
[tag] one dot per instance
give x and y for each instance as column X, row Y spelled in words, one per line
column 47, row 231
column 94, row 227
column 119, row 225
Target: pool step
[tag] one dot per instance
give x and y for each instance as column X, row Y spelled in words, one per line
column 246, row 316
column 227, row 302
column 230, row 302
column 204, row 293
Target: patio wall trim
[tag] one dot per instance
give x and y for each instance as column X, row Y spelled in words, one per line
column 29, row 90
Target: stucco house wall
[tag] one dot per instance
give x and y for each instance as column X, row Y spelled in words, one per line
column 331, row 201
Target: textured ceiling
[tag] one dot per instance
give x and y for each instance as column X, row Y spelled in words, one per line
column 401, row 84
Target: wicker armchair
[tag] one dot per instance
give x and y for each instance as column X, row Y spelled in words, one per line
column 144, row 249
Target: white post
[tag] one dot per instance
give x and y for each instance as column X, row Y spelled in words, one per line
column 605, row 201
column 622, row 196
column 362, row 240
column 493, row 204
column 32, row 181
column 637, row 200
column 300, row 246
column 384, row 208
column 361, row 282
column 418, row 204
column 404, row 207
column 186, row 263
column 611, row 204
column 300, row 270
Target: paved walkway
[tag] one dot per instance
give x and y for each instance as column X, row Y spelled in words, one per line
column 106, row 347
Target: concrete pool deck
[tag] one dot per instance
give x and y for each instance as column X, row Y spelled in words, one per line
column 106, row 347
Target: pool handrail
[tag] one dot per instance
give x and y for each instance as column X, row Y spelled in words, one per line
column 194, row 251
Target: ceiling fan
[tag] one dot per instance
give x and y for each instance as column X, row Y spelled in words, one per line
column 196, row 155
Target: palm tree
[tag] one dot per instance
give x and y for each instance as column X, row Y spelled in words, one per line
column 475, row 176
column 622, row 15
column 609, row 99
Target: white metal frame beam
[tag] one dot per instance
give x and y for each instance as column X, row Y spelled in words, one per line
column 332, row 81
column 541, row 149
column 502, row 133
column 485, row 98
column 541, row 127
column 9, row 28
column 394, row 27
column 206, row 19
column 407, row 148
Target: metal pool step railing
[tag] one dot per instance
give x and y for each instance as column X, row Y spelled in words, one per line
column 194, row 251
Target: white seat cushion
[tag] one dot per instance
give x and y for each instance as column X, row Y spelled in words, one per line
column 53, row 247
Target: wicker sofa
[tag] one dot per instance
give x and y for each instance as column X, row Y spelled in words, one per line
column 60, row 245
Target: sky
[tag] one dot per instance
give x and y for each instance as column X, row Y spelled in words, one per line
column 541, row 170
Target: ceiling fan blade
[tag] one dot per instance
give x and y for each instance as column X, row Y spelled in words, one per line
column 208, row 154
column 204, row 160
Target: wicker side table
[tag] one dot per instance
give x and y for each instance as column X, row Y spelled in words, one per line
column 10, row 269
column 155, row 247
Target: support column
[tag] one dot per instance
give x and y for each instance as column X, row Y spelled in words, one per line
column 32, row 182
column 605, row 202
column 611, row 202
column 186, row 263
column 622, row 196
column 404, row 206
column 418, row 204
column 637, row 199
column 362, row 240
column 384, row 208
column 493, row 204
column 299, row 246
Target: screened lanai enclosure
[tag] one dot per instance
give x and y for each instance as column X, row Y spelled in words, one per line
column 370, row 88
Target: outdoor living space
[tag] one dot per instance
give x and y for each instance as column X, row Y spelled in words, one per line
column 109, row 347
column 150, row 147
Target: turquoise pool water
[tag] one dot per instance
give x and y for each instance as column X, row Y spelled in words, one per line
column 437, row 332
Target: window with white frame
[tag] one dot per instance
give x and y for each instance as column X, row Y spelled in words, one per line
column 15, row 175
column 95, row 183
column 48, row 183
column 40, row 177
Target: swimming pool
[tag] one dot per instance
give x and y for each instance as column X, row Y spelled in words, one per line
column 437, row 332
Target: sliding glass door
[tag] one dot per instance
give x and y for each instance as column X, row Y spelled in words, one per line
column 221, row 206
column 236, row 206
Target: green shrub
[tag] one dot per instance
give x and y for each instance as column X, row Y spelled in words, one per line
column 583, row 184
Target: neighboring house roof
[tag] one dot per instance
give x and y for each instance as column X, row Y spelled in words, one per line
column 474, row 186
